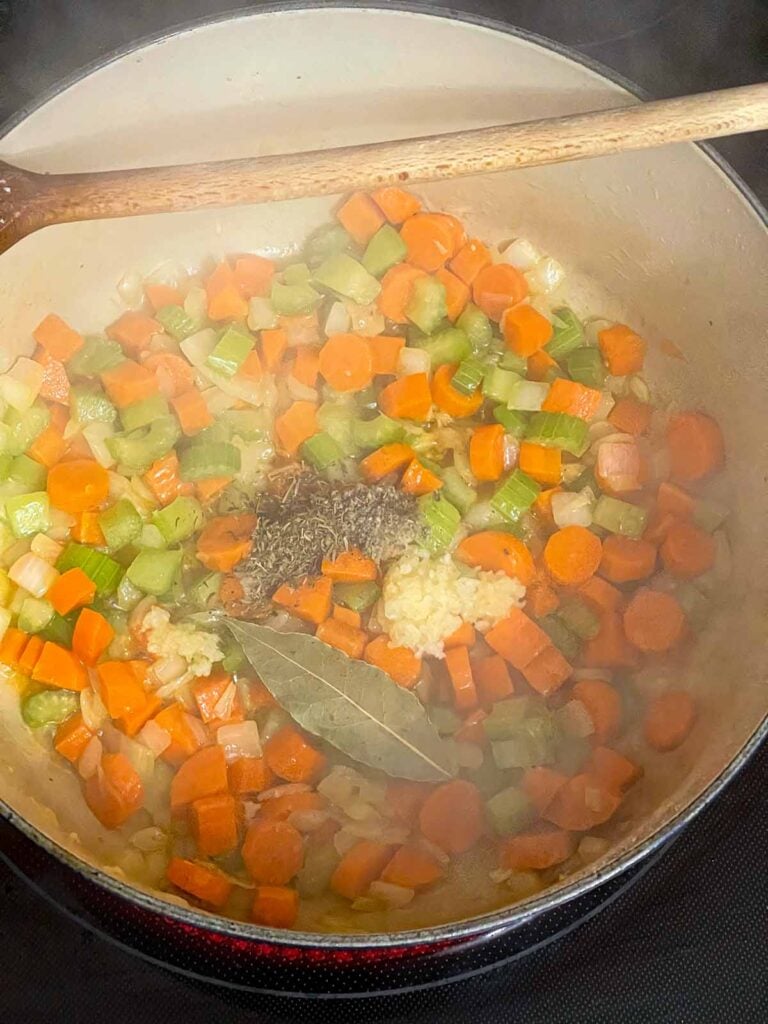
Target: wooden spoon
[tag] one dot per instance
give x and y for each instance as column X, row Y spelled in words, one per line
column 29, row 200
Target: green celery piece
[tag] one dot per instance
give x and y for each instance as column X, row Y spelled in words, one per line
column 297, row 273
column 477, row 328
column 231, row 350
column 202, row 461
column 528, row 395
column 534, row 743
column 177, row 322
column 515, row 495
column 457, row 490
column 558, row 430
column 89, row 404
column 321, row 451
column 140, row 448
column 49, row 707
column 561, row 636
column 358, row 597
column 441, row 519
column 60, row 629
column 205, row 591
column 95, row 356
column 34, row 615
column 338, row 420
column 121, row 524
column 512, row 361
column 144, row 412
column 154, row 572
column 514, row 422
column 427, row 307
column 499, row 384
column 104, row 571
column 584, row 479
column 509, row 811
column 234, row 660
column 218, row 431
column 568, row 334
column 469, row 375
column 345, row 276
column 179, row 520
column 619, row 517
column 506, row 715
column 381, row 430
column 128, row 596
column 151, row 537
column 326, row 241
column 248, row 424
column 448, row 346
column 579, row 618
column 28, row 514
column 586, row 366
column 24, row 427
column 26, row 471
column 294, row 299
column 385, row 250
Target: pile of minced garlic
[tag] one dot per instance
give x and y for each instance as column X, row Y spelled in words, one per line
column 426, row 599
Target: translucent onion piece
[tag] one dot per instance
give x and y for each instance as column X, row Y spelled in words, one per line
column 45, row 548
column 239, row 740
column 154, row 737
column 149, row 839
column 393, row 895
column 520, row 253
column 591, row 848
column 223, row 707
column 92, row 709
column 90, row 759
column 545, row 276
column 338, row 320
column 572, row 508
column 366, row 320
column 298, row 391
column 308, row 821
column 130, row 288
column 33, row 574
column 413, row 360
column 96, row 435
column 285, row 790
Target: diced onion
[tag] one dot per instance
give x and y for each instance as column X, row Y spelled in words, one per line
column 61, row 524
column 172, row 689
column 604, row 407
column 591, row 848
column 5, row 621
column 470, row 756
column 520, row 253
column 224, row 705
column 33, row 574
column 338, row 320
column 366, row 320
column 434, row 850
column 92, row 709
column 154, row 737
column 286, row 789
column 197, row 729
column 166, row 670
column 592, row 673
column 481, row 516
column 96, row 435
column 197, row 347
column 576, row 720
column 149, row 839
column 261, row 314
column 251, row 810
column 299, row 391
column 170, row 273
column 639, row 388
column 545, row 276
column 413, row 360
column 308, row 821
column 218, row 401
column 618, row 464
column 616, row 385
column 511, row 450
column 572, row 508
column 592, row 328
column 239, row 740
column 90, row 759
column 196, row 303
column 45, row 548
column 393, row 895
column 343, row 841
column 130, row 288
column 29, row 373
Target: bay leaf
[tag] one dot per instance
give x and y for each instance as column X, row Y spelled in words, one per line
column 350, row 704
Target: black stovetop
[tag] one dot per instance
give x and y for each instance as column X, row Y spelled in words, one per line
column 685, row 942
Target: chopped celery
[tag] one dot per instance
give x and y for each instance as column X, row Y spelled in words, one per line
column 202, row 461
column 441, row 519
column 120, row 524
column 426, row 306
column 231, row 350
column 205, row 590
column 91, row 405
column 294, row 299
column 619, row 516
column 325, row 242
column 24, row 427
column 297, row 273
column 384, row 250
column 218, row 431
column 477, row 328
column 128, row 596
column 34, row 614
column 344, row 276
column 568, row 333
column 339, row 420
column 571, row 754
column 515, row 496
column 177, row 322
column 509, row 811
column 60, row 629
column 49, row 707
column 154, row 572
column 533, row 743
column 248, row 424
column 579, row 618
column 103, row 570
column 457, row 491
column 586, row 478
column 499, row 385
column 143, row 413
column 558, row 430
column 358, row 597
column 448, row 346
column 561, row 636
column 179, row 520
column 445, row 720
column 696, row 606
column 512, row 361
column 469, row 375
column 26, row 471
column 139, row 449
column 514, row 422
column 586, row 366
column 28, row 514
column 506, row 715
column 321, row 451
column 151, row 537
column 233, row 659
column 95, row 356
column 381, row 430
column 528, row 395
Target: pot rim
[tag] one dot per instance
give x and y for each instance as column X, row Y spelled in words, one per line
column 499, row 921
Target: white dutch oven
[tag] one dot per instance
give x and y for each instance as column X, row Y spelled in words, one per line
column 667, row 240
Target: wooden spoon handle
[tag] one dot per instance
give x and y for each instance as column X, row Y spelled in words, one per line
column 29, row 201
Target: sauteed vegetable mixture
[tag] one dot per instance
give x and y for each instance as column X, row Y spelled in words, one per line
column 337, row 579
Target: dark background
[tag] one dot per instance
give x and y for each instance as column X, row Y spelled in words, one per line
column 686, row 943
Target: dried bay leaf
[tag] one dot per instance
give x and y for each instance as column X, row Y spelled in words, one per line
column 352, row 705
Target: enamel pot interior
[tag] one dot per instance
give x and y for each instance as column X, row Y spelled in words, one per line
column 662, row 239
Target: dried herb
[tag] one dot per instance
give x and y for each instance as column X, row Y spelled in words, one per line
column 352, row 705
column 315, row 519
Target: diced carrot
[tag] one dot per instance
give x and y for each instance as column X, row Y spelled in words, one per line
column 653, row 621
column 541, row 366
column 119, row 688
column 609, row 648
column 207, row 693
column 253, row 275
column 395, row 203
column 128, row 382
column 612, row 769
column 296, row 425
column 456, row 293
column 359, row 867
column 386, row 460
column 429, row 239
column 452, row 817
column 400, row 663
column 350, row 567
column 346, row 362
column 281, row 808
column 72, row 737
column 252, row 368
column 208, row 490
column 572, row 555
column 273, row 852
column 360, row 217
column 72, row 589
column 486, row 452
column 30, row 656
column 674, row 501
column 448, row 398
column 160, row 295
column 310, row 601
column 582, row 803
column 164, row 481
column 492, row 679
column 630, row 416
column 347, row 616
column 603, row 705
column 687, row 551
column 12, row 647
column 517, row 639
column 385, row 353
column 407, row 398
column 625, row 559
column 78, row 486
column 48, row 448
column 248, row 775
column 458, row 234
column 541, row 599
column 404, row 800
column 192, row 412
column 622, row 349
column 202, row 881
column 418, row 480
column 464, row 636
column 275, row 906
column 57, row 666
column 132, row 721
column 536, row 851
column 344, row 638
column 115, row 792
column 545, row 465
column 134, row 331
column 306, row 365
column 395, row 291
column 184, row 740
column 496, row 551
column 259, row 698
column 547, row 671
column 525, row 329
column 600, row 595
column 225, row 300
column 225, row 541
column 55, row 385
column 668, row 720
column 498, row 287
column 57, row 338
column 460, row 672
column 572, row 398
column 291, row 757
column 204, row 773
column 412, row 867
column 214, row 824
column 696, row 446
column 540, row 785
column 470, row 260
column 274, row 344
